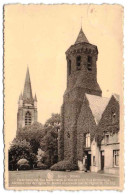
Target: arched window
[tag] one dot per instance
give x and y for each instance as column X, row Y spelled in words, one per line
column 89, row 63
column 28, row 118
column 69, row 67
column 78, row 62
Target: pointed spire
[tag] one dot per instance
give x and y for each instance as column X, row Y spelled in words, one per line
column 27, row 94
column 81, row 37
column 35, row 98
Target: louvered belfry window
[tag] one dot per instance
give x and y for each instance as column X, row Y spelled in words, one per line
column 89, row 63
column 28, row 118
column 78, row 62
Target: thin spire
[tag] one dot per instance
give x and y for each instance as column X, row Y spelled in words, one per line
column 27, row 94
column 81, row 37
column 35, row 98
column 81, row 21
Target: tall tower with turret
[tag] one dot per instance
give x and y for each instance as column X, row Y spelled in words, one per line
column 27, row 105
column 81, row 78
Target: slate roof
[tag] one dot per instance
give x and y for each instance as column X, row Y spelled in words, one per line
column 97, row 105
column 81, row 37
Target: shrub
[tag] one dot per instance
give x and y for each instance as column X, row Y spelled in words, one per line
column 40, row 165
column 64, row 165
column 23, row 164
column 20, row 150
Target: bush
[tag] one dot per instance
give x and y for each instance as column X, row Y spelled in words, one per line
column 20, row 151
column 64, row 165
column 40, row 165
column 24, row 167
column 23, row 164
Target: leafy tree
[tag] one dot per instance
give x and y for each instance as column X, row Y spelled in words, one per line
column 33, row 134
column 20, row 150
column 54, row 121
column 31, row 138
column 49, row 144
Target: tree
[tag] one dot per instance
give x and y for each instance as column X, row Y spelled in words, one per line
column 54, row 121
column 33, row 134
column 20, row 150
column 49, row 146
column 49, row 143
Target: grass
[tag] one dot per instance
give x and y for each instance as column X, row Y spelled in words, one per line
column 60, row 178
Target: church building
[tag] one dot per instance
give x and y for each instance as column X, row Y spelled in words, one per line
column 87, row 118
column 27, row 105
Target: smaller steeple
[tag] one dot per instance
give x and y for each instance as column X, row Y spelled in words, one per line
column 81, row 37
column 35, row 99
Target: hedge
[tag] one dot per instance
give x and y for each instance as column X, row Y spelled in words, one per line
column 64, row 165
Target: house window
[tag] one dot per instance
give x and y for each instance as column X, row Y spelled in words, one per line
column 78, row 62
column 116, row 158
column 89, row 63
column 69, row 67
column 28, row 118
column 87, row 140
column 94, row 161
column 106, row 139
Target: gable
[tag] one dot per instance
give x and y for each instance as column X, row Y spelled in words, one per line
column 111, row 109
column 97, row 105
column 107, row 122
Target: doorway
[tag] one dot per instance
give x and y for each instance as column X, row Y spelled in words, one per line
column 102, row 160
column 87, row 160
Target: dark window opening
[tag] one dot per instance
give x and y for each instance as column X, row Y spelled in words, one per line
column 107, row 139
column 78, row 62
column 69, row 67
column 28, row 118
column 68, row 135
column 113, row 116
column 89, row 63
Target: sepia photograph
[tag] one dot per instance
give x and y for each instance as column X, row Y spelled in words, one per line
column 63, row 97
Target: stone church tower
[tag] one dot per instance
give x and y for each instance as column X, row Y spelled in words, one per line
column 27, row 105
column 81, row 78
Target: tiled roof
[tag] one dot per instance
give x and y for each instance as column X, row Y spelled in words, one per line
column 97, row 105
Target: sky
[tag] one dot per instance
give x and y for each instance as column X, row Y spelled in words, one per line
column 37, row 36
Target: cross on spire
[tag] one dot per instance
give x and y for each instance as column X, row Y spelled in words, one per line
column 81, row 21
